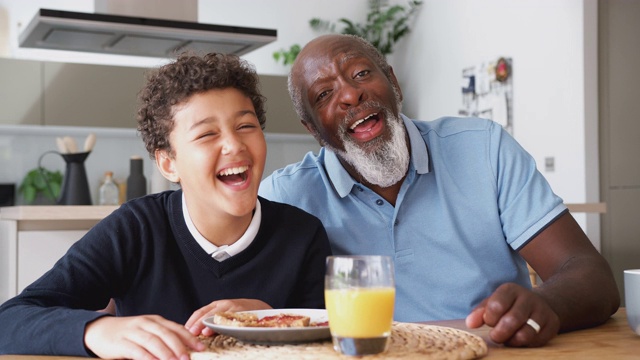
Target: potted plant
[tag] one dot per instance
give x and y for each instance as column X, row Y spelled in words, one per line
column 41, row 185
column 384, row 27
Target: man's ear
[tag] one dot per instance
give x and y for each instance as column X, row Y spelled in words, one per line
column 166, row 165
column 313, row 131
column 310, row 128
column 395, row 82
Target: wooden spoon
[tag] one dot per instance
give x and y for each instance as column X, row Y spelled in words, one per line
column 89, row 142
column 62, row 147
column 71, row 145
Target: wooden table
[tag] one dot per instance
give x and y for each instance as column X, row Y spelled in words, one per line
column 612, row 340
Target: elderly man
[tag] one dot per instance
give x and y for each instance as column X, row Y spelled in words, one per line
column 457, row 204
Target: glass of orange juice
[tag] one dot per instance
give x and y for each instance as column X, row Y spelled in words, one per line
column 360, row 294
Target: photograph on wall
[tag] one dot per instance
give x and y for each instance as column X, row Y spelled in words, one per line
column 487, row 92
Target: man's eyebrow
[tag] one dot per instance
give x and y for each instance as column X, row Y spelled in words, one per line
column 348, row 56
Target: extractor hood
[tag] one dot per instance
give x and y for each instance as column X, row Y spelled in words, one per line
column 133, row 35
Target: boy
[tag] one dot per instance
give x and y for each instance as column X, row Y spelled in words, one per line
column 178, row 257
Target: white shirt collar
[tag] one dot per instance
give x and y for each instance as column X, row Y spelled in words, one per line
column 216, row 251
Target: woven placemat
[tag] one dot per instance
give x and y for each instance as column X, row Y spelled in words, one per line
column 408, row 341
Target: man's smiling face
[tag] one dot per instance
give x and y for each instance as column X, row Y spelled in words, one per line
column 354, row 108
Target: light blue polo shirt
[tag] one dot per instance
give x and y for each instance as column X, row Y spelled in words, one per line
column 472, row 197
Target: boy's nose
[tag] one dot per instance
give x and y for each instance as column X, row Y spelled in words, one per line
column 232, row 144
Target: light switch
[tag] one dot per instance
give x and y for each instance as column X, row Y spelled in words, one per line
column 549, row 164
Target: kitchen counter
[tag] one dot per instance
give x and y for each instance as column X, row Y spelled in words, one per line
column 33, row 238
column 55, row 217
column 56, row 212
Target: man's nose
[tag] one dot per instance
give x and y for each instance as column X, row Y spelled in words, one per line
column 351, row 94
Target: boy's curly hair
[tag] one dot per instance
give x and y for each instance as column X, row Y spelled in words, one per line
column 176, row 82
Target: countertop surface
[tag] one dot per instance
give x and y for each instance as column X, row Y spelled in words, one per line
column 55, row 212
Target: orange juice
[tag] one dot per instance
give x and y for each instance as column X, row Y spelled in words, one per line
column 360, row 312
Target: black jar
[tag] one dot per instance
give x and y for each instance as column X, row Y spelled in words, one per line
column 136, row 182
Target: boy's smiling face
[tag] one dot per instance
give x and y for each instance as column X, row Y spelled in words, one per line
column 219, row 153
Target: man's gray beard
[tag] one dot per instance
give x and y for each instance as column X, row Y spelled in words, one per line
column 386, row 165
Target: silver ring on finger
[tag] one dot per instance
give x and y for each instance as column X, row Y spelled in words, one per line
column 534, row 325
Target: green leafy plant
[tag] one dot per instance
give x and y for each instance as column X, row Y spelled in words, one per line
column 384, row 27
column 287, row 56
column 40, row 181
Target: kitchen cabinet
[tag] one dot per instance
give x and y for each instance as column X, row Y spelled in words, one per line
column 281, row 117
column 33, row 238
column 65, row 94
column 20, row 92
column 50, row 93
column 91, row 95
column 619, row 56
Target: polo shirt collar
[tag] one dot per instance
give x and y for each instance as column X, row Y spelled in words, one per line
column 343, row 182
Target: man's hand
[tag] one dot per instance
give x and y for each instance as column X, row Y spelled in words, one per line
column 195, row 325
column 577, row 291
column 139, row 337
column 507, row 311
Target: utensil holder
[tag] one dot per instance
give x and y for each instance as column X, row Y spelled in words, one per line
column 75, row 186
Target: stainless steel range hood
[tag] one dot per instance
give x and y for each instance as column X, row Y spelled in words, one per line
column 140, row 36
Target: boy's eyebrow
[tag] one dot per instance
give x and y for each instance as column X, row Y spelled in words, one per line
column 247, row 111
column 200, row 122
column 209, row 119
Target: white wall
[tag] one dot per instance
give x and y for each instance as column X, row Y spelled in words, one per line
column 289, row 17
column 546, row 41
column 553, row 45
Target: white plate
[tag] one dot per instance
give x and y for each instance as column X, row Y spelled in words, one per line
column 263, row 335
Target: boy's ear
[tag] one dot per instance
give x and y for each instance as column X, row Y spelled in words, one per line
column 166, row 165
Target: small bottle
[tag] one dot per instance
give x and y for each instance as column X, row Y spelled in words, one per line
column 109, row 191
column 136, row 182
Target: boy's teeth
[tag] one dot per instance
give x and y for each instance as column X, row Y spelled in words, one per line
column 233, row 171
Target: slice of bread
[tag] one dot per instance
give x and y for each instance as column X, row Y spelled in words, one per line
column 235, row 319
column 251, row 320
column 285, row 320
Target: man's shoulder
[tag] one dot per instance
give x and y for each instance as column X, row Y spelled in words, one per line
column 293, row 182
column 271, row 206
column 309, row 166
column 292, row 214
column 448, row 126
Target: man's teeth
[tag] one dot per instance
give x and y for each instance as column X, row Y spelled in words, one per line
column 233, row 171
column 355, row 124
